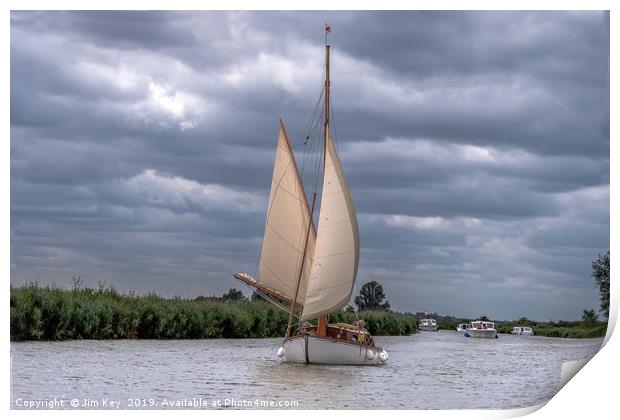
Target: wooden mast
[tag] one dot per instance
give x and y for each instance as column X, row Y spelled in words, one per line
column 322, row 324
column 301, row 270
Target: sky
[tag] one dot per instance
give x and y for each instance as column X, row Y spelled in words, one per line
column 475, row 145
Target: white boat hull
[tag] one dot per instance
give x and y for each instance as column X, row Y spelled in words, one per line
column 428, row 328
column 475, row 333
column 322, row 350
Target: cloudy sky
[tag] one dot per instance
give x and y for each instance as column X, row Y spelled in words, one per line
column 476, row 147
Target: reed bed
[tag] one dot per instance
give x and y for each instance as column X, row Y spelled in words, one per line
column 52, row 313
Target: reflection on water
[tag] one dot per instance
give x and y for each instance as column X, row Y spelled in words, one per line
column 441, row 370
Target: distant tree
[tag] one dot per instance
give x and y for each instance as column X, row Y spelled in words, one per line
column 524, row 321
column 589, row 316
column 600, row 272
column 483, row 318
column 371, row 297
column 233, row 295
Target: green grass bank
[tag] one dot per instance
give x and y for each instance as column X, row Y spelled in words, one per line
column 52, row 313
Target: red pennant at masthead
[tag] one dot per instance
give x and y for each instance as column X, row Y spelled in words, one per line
column 328, row 28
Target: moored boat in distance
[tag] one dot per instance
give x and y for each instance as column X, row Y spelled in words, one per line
column 522, row 331
column 427, row 324
column 313, row 270
column 481, row 329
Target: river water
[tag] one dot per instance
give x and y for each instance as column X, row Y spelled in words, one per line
column 441, row 370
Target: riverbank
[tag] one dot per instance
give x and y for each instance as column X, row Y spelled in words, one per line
column 52, row 313
column 561, row 329
column 576, row 329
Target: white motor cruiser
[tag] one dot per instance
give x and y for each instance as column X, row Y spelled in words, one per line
column 522, row 331
column 427, row 324
column 481, row 329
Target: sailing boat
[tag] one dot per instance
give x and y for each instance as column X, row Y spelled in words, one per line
column 313, row 270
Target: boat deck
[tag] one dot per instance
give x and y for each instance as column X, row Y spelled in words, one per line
column 342, row 332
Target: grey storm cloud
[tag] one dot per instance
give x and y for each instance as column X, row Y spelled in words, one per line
column 476, row 146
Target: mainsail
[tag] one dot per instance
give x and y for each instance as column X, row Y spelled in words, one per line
column 336, row 253
column 288, row 216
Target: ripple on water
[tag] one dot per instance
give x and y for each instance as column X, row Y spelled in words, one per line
column 427, row 371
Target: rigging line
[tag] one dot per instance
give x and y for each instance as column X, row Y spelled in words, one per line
column 312, row 134
column 313, row 143
column 271, row 300
column 316, row 152
column 321, row 158
column 317, row 132
column 318, row 103
column 307, row 134
column 316, row 106
column 310, row 121
column 317, row 123
column 317, row 163
column 320, row 146
column 320, row 140
column 312, row 115
column 309, row 138
column 333, row 120
column 310, row 153
column 314, row 130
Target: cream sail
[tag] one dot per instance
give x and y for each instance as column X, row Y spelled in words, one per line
column 336, row 254
column 288, row 216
